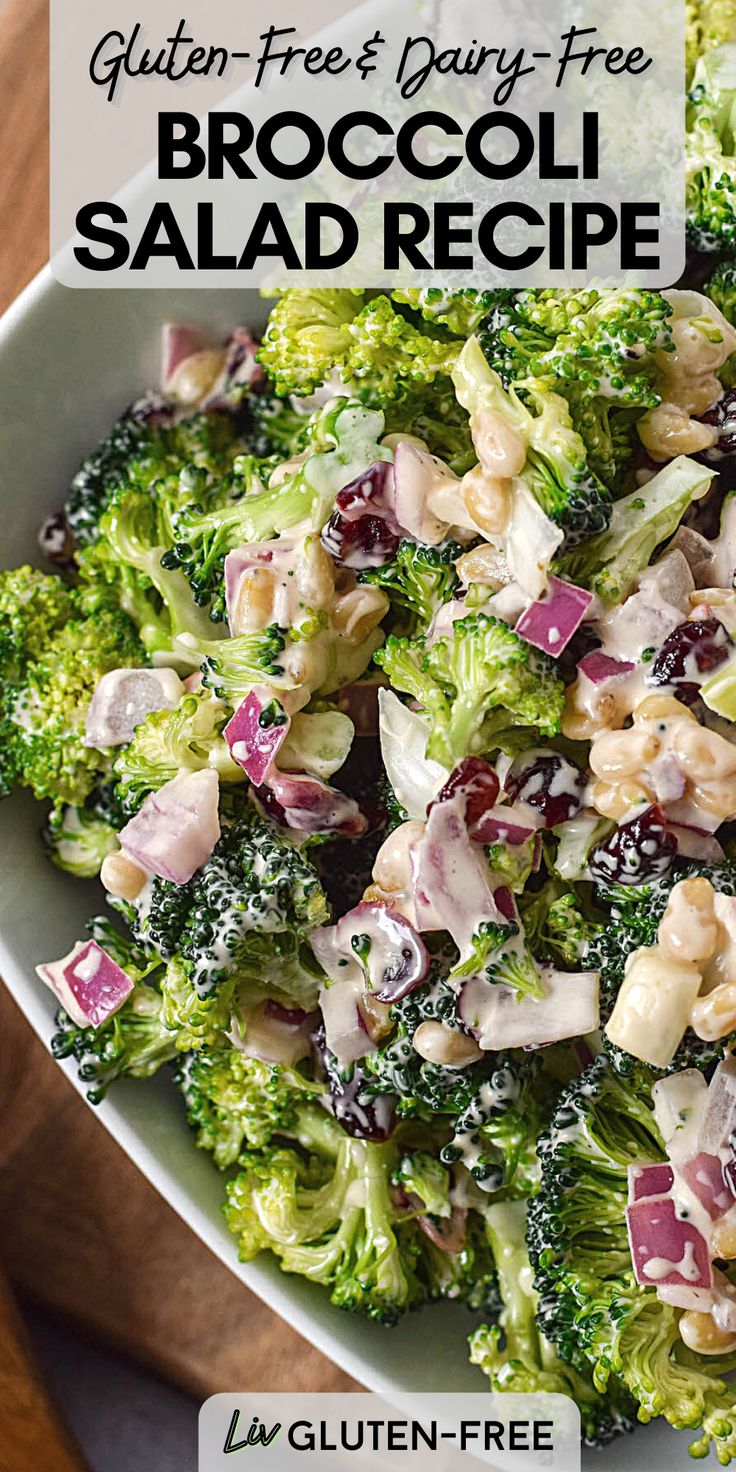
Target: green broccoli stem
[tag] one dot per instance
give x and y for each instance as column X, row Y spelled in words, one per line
column 505, row 1223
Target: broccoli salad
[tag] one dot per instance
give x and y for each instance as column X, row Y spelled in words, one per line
column 384, row 671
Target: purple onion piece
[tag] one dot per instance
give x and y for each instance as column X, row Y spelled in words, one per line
column 550, row 622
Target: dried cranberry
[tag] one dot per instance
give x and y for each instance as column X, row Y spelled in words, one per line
column 365, row 542
column 549, row 783
column 638, row 851
column 56, row 541
column 692, row 649
column 723, row 417
column 369, row 492
column 477, row 781
column 372, row 1119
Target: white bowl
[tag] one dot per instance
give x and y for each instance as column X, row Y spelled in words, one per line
column 70, row 362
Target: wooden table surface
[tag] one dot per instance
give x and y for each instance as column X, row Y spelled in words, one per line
column 81, row 1231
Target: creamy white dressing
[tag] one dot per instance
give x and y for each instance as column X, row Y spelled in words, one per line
column 661, row 1267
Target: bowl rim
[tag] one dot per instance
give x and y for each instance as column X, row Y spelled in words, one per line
column 326, row 1328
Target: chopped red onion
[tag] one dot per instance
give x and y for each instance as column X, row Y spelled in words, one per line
column 550, row 622
column 416, row 472
column 240, row 370
column 451, row 876
column 311, row 806
column 704, row 1175
column 599, row 667
column 177, row 827
column 650, row 1180
column 449, row 1234
column 255, row 733
column 177, row 344
column 682, row 1295
column 720, row 1109
column 511, row 823
column 666, row 1249
column 268, row 1034
column 89, row 984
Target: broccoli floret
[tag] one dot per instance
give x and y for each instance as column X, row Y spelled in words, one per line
column 423, row 1089
column 590, row 1305
column 188, row 738
column 597, row 348
column 556, row 469
column 475, row 685
column 138, row 454
column 135, row 1043
column 514, row 1353
column 238, row 929
column 418, row 579
column 280, row 428
column 233, row 1101
column 333, row 1220
column 424, row 1176
column 78, row 840
column 708, row 23
column 307, row 338
column 498, row 952
column 44, row 708
column 710, row 179
column 377, row 353
column 342, row 441
column 460, row 311
column 495, row 1136
column 33, row 606
column 721, row 289
column 633, row 921
column 610, row 563
column 556, row 927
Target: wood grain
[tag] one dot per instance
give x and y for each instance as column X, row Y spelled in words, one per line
column 81, row 1231
column 31, row 1434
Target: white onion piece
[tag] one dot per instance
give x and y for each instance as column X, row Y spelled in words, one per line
column 270, row 1038
column 679, row 1108
column 719, row 1116
column 403, row 734
column 318, row 743
column 345, row 1031
column 694, row 845
column 452, row 890
column 531, row 541
column 499, row 1018
column 177, row 827
column 123, row 698
column 683, row 1295
column 724, row 1302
